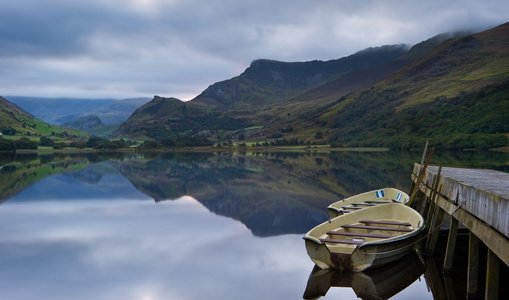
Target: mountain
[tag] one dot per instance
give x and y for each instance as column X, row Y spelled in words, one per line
column 266, row 81
column 388, row 96
column 230, row 104
column 455, row 95
column 61, row 110
column 16, row 121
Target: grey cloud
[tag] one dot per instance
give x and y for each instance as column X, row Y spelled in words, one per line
column 140, row 45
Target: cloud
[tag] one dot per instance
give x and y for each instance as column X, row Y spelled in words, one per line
column 129, row 249
column 120, row 48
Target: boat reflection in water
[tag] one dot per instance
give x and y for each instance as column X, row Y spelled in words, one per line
column 379, row 283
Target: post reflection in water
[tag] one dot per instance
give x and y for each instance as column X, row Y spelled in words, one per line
column 179, row 225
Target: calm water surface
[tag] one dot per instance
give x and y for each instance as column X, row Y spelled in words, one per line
column 190, row 225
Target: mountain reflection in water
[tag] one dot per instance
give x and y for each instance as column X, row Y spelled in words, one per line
column 272, row 193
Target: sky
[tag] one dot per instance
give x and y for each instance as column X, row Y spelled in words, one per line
column 177, row 48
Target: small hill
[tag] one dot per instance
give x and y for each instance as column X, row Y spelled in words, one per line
column 164, row 118
column 93, row 125
column 85, row 123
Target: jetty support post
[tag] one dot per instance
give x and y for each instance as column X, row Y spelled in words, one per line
column 473, row 266
column 492, row 276
column 451, row 246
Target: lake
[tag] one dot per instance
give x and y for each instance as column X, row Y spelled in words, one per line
column 178, row 225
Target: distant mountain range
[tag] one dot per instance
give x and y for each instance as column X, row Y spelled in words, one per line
column 77, row 113
column 58, row 111
column 451, row 88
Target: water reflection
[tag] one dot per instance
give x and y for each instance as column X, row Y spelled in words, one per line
column 135, row 249
column 182, row 225
column 272, row 193
column 380, row 283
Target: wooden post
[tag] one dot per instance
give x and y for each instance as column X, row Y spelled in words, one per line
column 420, row 178
column 473, row 266
column 426, row 203
column 451, row 246
column 414, row 184
column 492, row 276
column 431, row 209
column 449, row 287
column 432, row 239
column 434, row 195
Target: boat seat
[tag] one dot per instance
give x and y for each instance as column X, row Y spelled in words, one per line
column 385, row 222
column 378, row 228
column 377, row 201
column 334, row 241
column 364, row 204
column 373, row 235
column 351, row 207
column 345, row 211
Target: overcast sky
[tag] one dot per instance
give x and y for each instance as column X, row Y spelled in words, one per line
column 177, row 48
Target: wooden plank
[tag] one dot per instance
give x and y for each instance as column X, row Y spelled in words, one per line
column 341, row 241
column 351, row 207
column 373, row 235
column 364, row 204
column 377, row 201
column 378, row 228
column 385, row 222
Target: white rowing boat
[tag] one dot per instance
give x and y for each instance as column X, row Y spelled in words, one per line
column 366, row 238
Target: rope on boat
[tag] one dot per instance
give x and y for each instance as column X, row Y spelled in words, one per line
column 423, row 237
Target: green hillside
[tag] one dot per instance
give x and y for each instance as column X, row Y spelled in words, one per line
column 457, row 94
column 16, row 122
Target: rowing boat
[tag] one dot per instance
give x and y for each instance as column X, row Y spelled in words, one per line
column 371, row 198
column 366, row 238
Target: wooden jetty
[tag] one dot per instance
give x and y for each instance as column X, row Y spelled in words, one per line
column 477, row 200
